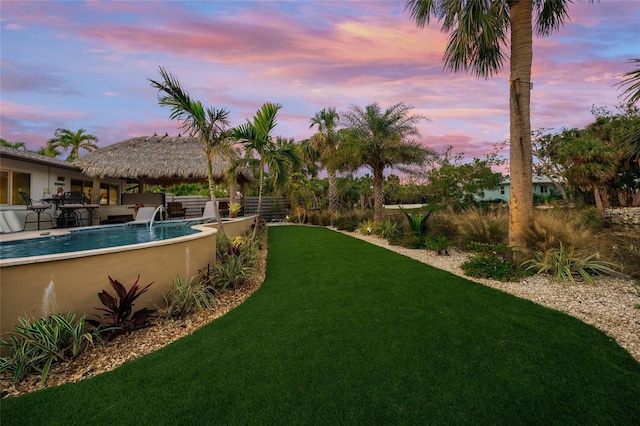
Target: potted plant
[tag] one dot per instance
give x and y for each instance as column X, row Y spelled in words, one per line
column 234, row 208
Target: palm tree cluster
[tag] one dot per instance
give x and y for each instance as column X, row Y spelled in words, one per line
column 369, row 137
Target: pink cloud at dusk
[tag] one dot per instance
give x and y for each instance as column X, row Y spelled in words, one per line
column 87, row 65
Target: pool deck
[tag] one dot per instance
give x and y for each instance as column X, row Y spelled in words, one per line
column 26, row 235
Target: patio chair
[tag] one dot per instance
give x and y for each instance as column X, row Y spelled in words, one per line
column 144, row 215
column 208, row 213
column 37, row 209
column 175, row 210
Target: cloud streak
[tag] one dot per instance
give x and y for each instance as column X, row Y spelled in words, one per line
column 72, row 65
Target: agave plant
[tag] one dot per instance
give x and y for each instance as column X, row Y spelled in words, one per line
column 565, row 265
column 119, row 316
column 418, row 223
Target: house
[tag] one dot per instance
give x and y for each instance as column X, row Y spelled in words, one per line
column 542, row 186
column 40, row 177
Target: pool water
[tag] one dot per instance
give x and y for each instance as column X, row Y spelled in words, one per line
column 95, row 238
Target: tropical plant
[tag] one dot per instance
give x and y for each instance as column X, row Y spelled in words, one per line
column 15, row 145
column 388, row 228
column 281, row 158
column 565, row 265
column 418, row 222
column 479, row 31
column 439, row 244
column 326, row 142
column 491, row 267
column 631, row 79
column 232, row 273
column 380, row 139
column 209, row 125
column 366, row 227
column 589, row 163
column 36, row 346
column 185, row 297
column 492, row 260
column 75, row 141
column 234, row 208
column 119, row 316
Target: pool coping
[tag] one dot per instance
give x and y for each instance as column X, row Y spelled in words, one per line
column 204, row 228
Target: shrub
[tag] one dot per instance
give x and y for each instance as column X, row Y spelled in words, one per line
column 487, row 266
column 439, row 244
column 346, row 223
column 388, row 228
column 492, row 260
column 119, row 316
column 479, row 226
column 34, row 347
column 564, row 265
column 366, row 227
column 185, row 297
column 443, row 224
column 591, row 219
column 231, row 274
column 624, row 249
column 319, row 217
column 548, row 231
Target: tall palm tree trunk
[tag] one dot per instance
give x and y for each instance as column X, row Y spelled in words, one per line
column 259, row 213
column 333, row 194
column 212, row 193
column 378, row 196
column 520, row 154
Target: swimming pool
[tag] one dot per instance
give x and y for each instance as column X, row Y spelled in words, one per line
column 77, row 277
column 95, row 238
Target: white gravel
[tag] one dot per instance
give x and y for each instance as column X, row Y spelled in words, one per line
column 612, row 305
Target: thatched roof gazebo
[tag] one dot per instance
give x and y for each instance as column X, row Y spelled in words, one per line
column 162, row 160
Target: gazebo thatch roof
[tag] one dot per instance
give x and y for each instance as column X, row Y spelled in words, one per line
column 156, row 159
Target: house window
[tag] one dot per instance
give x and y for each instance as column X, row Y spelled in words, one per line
column 11, row 184
column 543, row 189
column 108, row 195
column 502, row 190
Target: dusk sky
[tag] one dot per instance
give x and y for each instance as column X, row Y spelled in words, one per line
column 86, row 64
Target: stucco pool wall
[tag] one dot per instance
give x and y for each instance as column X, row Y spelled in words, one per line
column 79, row 277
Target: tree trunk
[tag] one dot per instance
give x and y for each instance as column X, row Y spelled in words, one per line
column 598, row 198
column 212, row 193
column 378, row 196
column 333, row 195
column 261, row 188
column 520, row 153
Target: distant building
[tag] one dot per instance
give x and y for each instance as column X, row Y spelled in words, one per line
column 542, row 186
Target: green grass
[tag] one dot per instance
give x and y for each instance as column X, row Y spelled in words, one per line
column 343, row 332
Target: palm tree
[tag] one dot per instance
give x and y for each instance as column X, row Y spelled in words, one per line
column 632, row 79
column 326, row 143
column 257, row 138
column 380, row 139
column 478, row 32
column 48, row 151
column 588, row 164
column 208, row 125
column 66, row 139
column 16, row 145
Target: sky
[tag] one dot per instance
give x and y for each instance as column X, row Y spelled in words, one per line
column 87, row 64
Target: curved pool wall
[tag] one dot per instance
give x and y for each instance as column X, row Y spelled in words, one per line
column 78, row 277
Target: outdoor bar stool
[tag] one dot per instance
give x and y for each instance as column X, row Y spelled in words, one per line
column 37, row 209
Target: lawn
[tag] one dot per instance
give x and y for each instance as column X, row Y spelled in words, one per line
column 344, row 332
